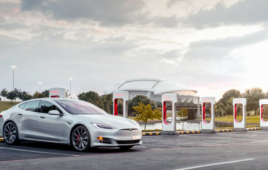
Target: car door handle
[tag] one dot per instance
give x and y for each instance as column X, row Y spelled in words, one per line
column 20, row 114
column 42, row 117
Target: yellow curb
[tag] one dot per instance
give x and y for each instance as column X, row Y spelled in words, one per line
column 2, row 140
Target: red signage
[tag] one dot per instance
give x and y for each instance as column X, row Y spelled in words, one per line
column 118, row 95
column 54, row 91
column 238, row 101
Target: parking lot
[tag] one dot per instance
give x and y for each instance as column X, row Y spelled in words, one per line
column 231, row 150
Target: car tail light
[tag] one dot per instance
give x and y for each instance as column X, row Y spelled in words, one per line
column 0, row 115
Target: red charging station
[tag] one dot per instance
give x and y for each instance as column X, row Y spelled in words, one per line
column 57, row 92
column 263, row 123
column 117, row 95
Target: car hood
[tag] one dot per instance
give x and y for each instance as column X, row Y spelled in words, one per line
column 115, row 121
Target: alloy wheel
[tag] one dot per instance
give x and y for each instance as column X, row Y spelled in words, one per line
column 80, row 138
column 10, row 133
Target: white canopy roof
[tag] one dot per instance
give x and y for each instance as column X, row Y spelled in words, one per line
column 156, row 85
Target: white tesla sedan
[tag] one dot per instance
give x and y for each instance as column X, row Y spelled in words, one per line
column 68, row 121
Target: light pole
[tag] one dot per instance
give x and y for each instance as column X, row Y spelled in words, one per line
column 39, row 86
column 13, row 67
column 70, row 86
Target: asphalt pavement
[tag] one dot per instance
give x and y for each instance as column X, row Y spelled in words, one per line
column 231, row 150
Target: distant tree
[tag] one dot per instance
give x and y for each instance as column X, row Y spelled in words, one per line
column 17, row 92
column 107, row 101
column 38, row 95
column 253, row 96
column 27, row 97
column 136, row 100
column 227, row 95
column 183, row 113
column 4, row 93
column 229, row 107
column 145, row 112
column 11, row 96
column 21, row 94
column 91, row 97
column 46, row 93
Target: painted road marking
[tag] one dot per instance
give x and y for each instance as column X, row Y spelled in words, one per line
column 37, row 151
column 215, row 164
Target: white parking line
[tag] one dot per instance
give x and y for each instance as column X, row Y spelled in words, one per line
column 221, row 163
column 37, row 151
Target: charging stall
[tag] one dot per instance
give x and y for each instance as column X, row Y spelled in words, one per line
column 239, row 125
column 169, row 125
column 263, row 123
column 208, row 121
column 117, row 95
column 57, row 92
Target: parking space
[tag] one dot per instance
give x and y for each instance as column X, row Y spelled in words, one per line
column 223, row 147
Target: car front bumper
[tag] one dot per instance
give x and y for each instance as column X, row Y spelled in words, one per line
column 116, row 137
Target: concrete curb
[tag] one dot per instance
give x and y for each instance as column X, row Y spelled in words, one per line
column 252, row 129
column 150, row 133
column 2, row 140
column 225, row 130
column 159, row 133
column 189, row 132
column 193, row 132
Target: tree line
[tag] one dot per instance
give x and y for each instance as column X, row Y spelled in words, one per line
column 225, row 105
column 22, row 95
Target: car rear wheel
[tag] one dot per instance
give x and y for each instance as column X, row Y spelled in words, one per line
column 11, row 135
column 125, row 147
column 80, row 139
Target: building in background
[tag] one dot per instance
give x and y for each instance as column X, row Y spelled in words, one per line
column 153, row 88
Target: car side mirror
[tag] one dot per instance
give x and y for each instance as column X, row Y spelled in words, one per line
column 54, row 112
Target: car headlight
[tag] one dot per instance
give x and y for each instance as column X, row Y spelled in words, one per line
column 102, row 126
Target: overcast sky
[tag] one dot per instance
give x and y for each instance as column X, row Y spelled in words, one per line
column 208, row 45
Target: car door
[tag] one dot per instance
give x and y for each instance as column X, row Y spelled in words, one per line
column 29, row 118
column 50, row 127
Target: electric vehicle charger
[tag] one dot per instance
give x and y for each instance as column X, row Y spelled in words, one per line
column 169, row 125
column 123, row 95
column 263, row 122
column 208, row 105
column 239, row 125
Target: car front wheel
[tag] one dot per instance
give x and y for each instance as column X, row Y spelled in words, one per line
column 80, row 139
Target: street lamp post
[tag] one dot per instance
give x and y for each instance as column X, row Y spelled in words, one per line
column 70, row 86
column 13, row 67
column 39, row 86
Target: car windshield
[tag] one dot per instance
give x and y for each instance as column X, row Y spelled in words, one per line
column 79, row 107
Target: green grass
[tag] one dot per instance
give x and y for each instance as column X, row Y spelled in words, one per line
column 4, row 105
column 250, row 119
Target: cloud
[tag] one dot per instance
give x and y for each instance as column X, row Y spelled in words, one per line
column 107, row 12
column 173, row 2
column 220, row 48
column 246, row 12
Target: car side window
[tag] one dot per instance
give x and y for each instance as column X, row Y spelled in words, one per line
column 32, row 106
column 47, row 106
column 22, row 106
